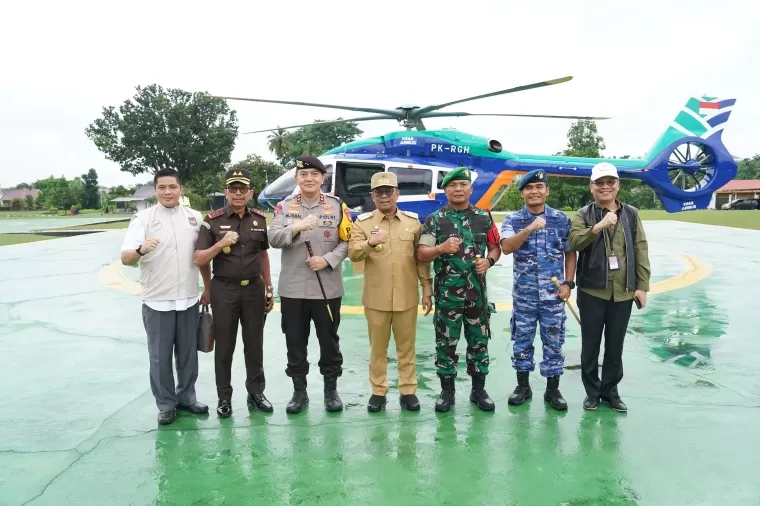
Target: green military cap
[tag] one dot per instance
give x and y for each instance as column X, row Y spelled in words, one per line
column 458, row 174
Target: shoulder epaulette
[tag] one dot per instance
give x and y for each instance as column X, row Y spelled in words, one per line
column 215, row 214
column 334, row 197
column 410, row 214
column 364, row 216
column 258, row 211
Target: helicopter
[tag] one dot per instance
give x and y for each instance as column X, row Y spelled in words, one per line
column 684, row 166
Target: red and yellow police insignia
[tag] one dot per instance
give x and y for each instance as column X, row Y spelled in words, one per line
column 277, row 209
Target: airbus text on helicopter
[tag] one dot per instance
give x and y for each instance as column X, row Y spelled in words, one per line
column 684, row 166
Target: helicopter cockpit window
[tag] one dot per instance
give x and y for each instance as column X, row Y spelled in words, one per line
column 441, row 175
column 413, row 181
column 284, row 185
column 327, row 185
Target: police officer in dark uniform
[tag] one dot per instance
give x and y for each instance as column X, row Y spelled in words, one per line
column 235, row 239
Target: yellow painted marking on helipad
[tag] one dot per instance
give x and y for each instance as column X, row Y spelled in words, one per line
column 113, row 276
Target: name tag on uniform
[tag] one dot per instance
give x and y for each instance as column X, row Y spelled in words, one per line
column 613, row 259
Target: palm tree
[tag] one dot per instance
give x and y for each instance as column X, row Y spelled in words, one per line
column 279, row 143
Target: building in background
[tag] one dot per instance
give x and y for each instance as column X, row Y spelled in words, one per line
column 737, row 189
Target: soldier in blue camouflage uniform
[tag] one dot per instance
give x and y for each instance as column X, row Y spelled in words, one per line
column 538, row 237
column 462, row 240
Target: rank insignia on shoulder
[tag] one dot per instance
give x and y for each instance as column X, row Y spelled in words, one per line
column 215, row 214
column 258, row 211
column 206, row 224
column 411, row 214
column 364, row 216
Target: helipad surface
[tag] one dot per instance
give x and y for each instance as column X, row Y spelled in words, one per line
column 78, row 422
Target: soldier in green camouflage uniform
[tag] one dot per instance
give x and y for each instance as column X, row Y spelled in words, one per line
column 462, row 241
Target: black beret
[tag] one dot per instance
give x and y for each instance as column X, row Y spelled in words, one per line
column 310, row 162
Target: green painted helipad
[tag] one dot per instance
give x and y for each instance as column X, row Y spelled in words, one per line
column 78, row 422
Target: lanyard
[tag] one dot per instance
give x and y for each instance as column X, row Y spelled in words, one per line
column 611, row 235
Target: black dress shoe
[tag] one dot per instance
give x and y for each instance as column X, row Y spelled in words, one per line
column 590, row 403
column 261, row 402
column 410, row 402
column 376, row 403
column 224, row 409
column 196, row 408
column 616, row 404
column 167, row 417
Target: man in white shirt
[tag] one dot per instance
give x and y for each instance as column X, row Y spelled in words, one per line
column 162, row 240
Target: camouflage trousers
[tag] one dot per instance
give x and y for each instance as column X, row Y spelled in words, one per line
column 551, row 317
column 448, row 321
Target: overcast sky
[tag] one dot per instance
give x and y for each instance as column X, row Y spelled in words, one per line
column 63, row 61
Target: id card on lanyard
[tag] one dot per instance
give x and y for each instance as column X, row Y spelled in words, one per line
column 613, row 259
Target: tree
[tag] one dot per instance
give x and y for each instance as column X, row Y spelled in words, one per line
column 315, row 139
column 191, row 132
column 749, row 168
column 91, row 195
column 261, row 171
column 279, row 143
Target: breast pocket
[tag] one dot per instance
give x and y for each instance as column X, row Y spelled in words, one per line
column 256, row 239
column 406, row 243
column 554, row 244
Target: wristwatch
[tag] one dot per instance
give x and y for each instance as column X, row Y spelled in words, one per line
column 140, row 252
column 491, row 261
column 570, row 284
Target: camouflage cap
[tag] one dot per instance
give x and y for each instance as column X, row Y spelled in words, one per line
column 534, row 176
column 458, row 174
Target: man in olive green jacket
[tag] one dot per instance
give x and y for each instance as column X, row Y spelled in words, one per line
column 613, row 271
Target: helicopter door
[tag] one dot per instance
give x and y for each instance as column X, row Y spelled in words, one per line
column 352, row 183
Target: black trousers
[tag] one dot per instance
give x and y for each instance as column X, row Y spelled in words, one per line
column 612, row 317
column 297, row 315
column 232, row 304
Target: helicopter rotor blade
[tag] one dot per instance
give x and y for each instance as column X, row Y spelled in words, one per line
column 553, row 116
column 423, row 111
column 388, row 112
column 363, row 118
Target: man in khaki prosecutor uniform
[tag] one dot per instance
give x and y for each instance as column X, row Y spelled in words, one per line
column 386, row 240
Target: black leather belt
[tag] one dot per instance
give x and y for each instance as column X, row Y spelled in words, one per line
column 241, row 282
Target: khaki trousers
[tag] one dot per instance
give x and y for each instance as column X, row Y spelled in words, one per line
column 404, row 325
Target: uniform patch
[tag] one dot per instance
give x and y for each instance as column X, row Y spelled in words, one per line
column 327, row 234
column 155, row 225
column 193, row 221
column 411, row 214
column 364, row 216
column 215, row 214
column 277, row 209
column 288, row 222
column 224, row 226
column 257, row 211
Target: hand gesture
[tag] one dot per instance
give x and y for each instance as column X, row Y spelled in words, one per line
column 482, row 265
column 537, row 224
column 206, row 297
column 269, row 306
column 609, row 220
column 229, row 239
column 381, row 237
column 450, row 246
column 149, row 245
column 317, row 263
column 307, row 223
column 427, row 304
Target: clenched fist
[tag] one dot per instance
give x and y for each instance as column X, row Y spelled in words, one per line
column 306, row 224
column 609, row 220
column 381, row 237
column 229, row 239
column 450, row 246
column 149, row 245
column 537, row 224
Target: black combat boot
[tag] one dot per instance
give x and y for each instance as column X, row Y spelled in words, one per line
column 522, row 390
column 300, row 397
column 552, row 395
column 332, row 400
column 479, row 395
column 446, row 399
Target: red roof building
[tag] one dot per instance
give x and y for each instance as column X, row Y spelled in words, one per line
column 8, row 196
column 736, row 190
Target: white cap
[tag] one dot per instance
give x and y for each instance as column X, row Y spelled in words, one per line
column 603, row 169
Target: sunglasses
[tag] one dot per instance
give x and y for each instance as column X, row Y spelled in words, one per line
column 384, row 193
column 239, row 189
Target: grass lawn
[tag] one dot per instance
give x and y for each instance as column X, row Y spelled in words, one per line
column 31, row 215
column 736, row 219
column 10, row 239
column 98, row 226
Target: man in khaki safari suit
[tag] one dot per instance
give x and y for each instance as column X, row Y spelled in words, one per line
column 386, row 240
